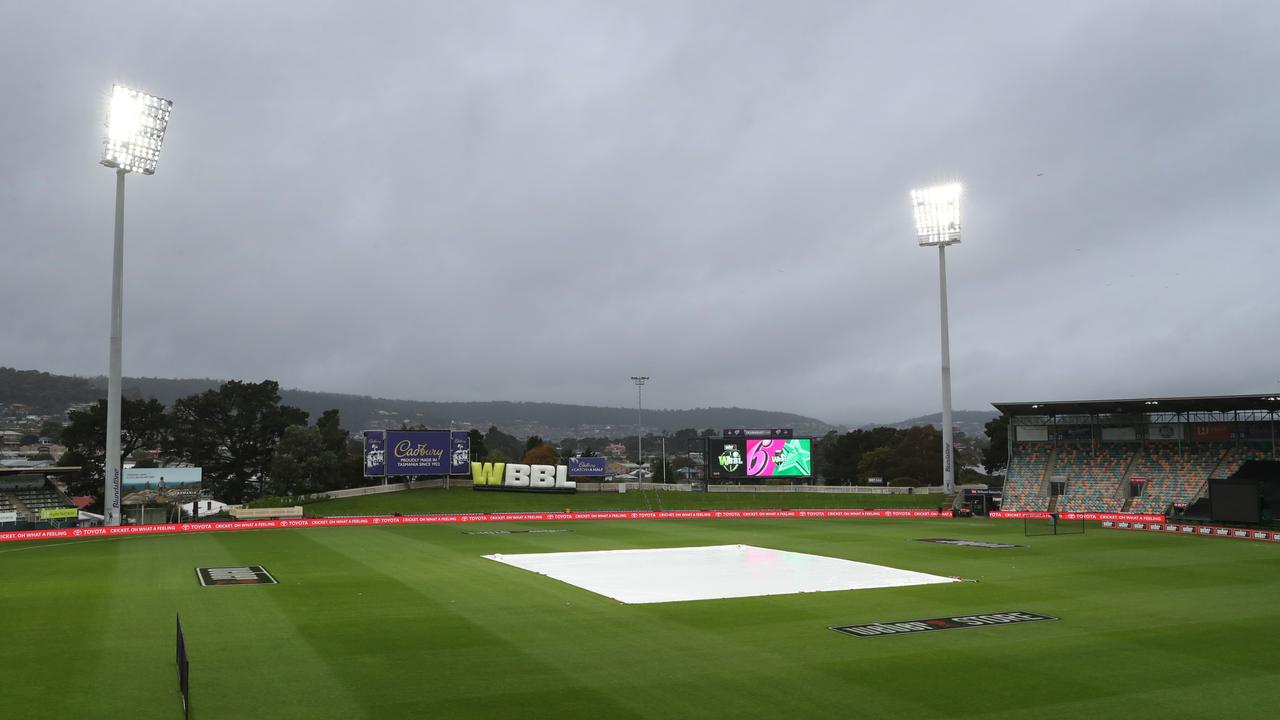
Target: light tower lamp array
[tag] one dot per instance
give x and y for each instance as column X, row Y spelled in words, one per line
column 937, row 215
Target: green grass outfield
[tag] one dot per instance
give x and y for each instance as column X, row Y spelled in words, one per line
column 411, row 622
column 467, row 500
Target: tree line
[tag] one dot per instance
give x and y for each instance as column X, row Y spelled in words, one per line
column 246, row 441
column 250, row 444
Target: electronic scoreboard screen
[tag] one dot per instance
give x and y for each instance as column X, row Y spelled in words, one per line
column 737, row 458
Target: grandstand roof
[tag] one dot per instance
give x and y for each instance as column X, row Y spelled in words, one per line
column 1219, row 403
column 41, row 470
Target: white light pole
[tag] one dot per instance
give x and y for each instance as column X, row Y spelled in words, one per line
column 937, row 213
column 639, row 380
column 136, row 123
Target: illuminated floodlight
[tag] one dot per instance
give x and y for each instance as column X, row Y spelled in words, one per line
column 136, row 123
column 937, row 211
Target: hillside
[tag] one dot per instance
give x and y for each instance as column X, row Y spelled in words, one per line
column 41, row 393
column 51, row 394
column 969, row 422
column 48, row 394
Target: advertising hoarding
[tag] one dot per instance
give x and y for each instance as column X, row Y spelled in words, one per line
column 155, row 478
column 1211, row 431
column 417, row 452
column 375, row 453
column 587, row 466
column 459, row 452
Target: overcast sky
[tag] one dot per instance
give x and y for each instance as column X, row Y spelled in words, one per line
column 536, row 200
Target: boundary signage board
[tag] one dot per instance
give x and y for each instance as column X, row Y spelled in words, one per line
column 587, row 466
column 376, row 520
column 459, row 452
column 1092, row 516
column 1235, row 533
column 417, row 452
column 156, row 478
column 375, row 453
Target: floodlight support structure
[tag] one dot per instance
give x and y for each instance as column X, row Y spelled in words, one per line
column 639, row 380
column 948, row 469
column 111, row 496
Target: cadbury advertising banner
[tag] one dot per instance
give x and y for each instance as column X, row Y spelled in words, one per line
column 418, row 452
column 587, row 466
column 459, row 452
column 375, row 456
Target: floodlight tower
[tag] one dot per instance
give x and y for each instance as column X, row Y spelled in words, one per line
column 639, row 380
column 136, row 123
column 937, row 212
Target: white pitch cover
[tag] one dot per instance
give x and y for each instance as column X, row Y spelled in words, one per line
column 710, row 573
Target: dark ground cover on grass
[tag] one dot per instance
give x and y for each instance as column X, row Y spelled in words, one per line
column 411, row 621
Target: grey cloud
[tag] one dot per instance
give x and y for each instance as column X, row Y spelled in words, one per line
column 533, row 201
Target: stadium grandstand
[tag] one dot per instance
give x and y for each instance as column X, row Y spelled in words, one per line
column 1150, row 455
column 26, row 492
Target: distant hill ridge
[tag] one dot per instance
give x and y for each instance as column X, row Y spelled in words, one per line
column 969, row 422
column 48, row 393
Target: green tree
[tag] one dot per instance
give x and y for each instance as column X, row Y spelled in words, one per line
column 141, row 459
column 329, row 425
column 337, row 440
column 497, row 441
column 51, row 429
column 966, row 452
column 143, row 424
column 232, row 432
column 478, row 449
column 876, row 463
column 540, row 455
column 684, row 436
column 533, row 442
column 841, row 455
column 995, row 457
column 353, row 467
column 917, row 457
column 304, row 463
